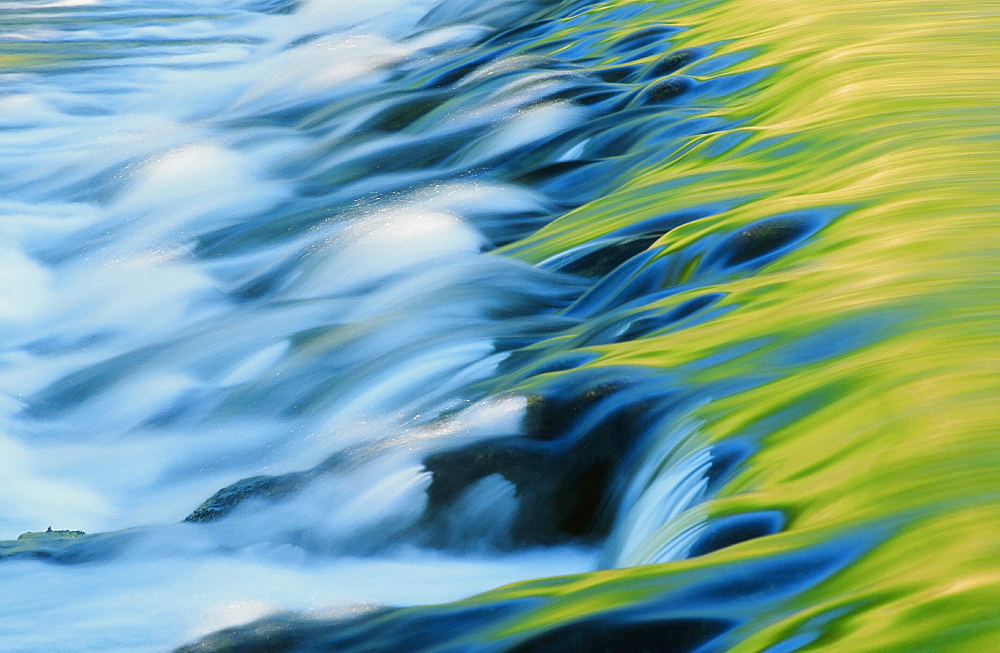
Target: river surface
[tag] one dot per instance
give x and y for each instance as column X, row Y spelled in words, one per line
column 309, row 312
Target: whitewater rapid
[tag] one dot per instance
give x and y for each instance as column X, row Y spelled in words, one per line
column 210, row 278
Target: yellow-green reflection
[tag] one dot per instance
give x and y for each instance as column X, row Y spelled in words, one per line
column 890, row 110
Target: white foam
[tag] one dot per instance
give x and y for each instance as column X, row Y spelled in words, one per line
column 525, row 127
column 473, row 198
column 25, row 110
column 318, row 70
column 31, row 496
column 106, row 608
column 26, row 290
column 133, row 387
column 391, row 17
column 206, row 187
column 256, row 364
column 382, row 245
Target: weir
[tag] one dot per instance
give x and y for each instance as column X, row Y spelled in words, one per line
column 323, row 319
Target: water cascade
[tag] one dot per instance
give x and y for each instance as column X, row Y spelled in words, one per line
column 318, row 320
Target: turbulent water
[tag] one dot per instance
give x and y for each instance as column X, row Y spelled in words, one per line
column 311, row 312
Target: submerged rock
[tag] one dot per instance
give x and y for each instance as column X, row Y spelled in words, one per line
column 665, row 90
column 49, row 534
column 672, row 62
column 65, row 546
column 608, row 257
column 611, row 635
column 386, row 630
column 762, row 239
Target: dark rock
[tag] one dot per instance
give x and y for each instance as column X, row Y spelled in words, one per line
column 593, row 96
column 614, row 635
column 407, row 110
column 278, row 633
column 547, row 172
column 549, row 418
column 761, row 239
column 382, row 630
column 671, row 63
column 228, row 498
column 605, row 259
column 564, row 468
column 617, row 74
column 664, row 90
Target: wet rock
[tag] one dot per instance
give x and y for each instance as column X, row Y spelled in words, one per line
column 618, row 74
column 66, row 546
column 611, row 97
column 549, row 418
column 664, row 90
column 228, row 498
column 49, row 534
column 761, row 239
column 279, row 633
column 671, row 63
column 545, row 173
column 563, row 468
column 385, row 630
column 405, row 111
column 605, row 259
column 615, row 635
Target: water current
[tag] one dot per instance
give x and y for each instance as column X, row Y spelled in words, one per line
column 312, row 311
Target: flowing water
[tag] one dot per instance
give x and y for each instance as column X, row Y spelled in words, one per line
column 313, row 311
